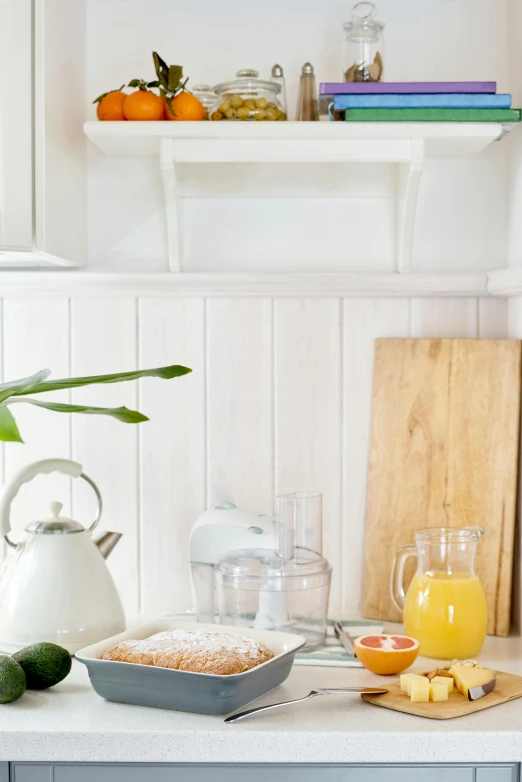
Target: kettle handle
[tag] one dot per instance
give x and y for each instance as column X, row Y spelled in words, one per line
column 26, row 474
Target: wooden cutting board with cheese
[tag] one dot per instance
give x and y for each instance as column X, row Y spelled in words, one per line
column 443, row 453
column 507, row 688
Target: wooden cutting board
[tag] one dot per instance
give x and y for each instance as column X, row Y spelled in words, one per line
column 443, row 452
column 507, row 689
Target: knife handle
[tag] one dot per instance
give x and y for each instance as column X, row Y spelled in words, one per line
column 344, row 638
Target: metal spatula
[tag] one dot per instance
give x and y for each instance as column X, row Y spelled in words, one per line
column 330, row 691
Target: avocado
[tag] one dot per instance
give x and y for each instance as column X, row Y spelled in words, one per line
column 44, row 664
column 12, row 680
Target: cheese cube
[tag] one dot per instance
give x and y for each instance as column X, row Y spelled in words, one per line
column 405, row 681
column 420, row 690
column 438, row 692
column 447, row 680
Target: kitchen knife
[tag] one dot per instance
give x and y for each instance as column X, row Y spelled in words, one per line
column 474, row 693
column 327, row 691
column 344, row 639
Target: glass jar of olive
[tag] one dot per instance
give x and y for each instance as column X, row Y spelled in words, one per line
column 247, row 98
column 205, row 93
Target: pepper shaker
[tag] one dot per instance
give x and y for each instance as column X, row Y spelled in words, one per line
column 307, row 106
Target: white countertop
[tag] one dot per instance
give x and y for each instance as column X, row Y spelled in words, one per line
column 71, row 723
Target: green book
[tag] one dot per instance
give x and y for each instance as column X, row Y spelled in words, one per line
column 433, row 115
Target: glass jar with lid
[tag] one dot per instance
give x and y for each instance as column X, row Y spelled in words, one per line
column 364, row 45
column 247, row 98
column 205, row 93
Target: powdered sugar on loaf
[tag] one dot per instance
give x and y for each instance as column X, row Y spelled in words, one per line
column 198, row 651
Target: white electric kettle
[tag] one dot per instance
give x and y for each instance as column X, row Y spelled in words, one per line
column 55, row 585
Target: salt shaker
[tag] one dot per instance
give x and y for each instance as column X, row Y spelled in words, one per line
column 279, row 78
column 307, row 105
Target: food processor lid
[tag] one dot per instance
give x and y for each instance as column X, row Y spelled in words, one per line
column 258, row 565
column 247, row 80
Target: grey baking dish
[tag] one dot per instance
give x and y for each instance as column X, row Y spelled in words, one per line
column 163, row 688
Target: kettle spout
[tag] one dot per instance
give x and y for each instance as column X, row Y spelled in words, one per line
column 106, row 542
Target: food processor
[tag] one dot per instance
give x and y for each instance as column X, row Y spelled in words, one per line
column 286, row 588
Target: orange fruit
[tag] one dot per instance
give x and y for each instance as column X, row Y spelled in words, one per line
column 110, row 107
column 143, row 106
column 386, row 654
column 187, row 108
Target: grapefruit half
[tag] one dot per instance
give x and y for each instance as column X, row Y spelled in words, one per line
column 386, row 655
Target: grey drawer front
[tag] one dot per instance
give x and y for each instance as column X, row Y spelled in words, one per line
column 33, row 772
column 498, row 773
column 266, row 774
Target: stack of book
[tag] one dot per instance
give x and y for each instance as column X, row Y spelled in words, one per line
column 417, row 102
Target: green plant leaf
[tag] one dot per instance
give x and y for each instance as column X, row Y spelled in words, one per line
column 175, row 76
column 8, row 429
column 19, row 386
column 162, row 69
column 101, row 97
column 122, row 414
column 166, row 373
column 170, row 106
column 140, row 83
column 153, row 84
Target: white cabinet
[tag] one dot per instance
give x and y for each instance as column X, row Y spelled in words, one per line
column 16, row 123
column 42, row 174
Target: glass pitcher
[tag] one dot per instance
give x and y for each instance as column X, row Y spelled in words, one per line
column 445, row 605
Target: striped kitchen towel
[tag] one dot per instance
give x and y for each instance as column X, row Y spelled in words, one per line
column 333, row 653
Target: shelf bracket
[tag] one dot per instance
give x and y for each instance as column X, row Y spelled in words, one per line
column 172, row 204
column 408, row 180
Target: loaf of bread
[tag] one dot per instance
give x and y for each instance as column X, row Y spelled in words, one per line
column 193, row 650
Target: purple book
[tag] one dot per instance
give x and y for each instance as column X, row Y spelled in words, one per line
column 405, row 87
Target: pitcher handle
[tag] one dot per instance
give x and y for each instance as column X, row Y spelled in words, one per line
column 397, row 575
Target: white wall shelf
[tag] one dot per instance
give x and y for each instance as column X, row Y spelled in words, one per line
column 506, row 282
column 77, row 284
column 407, row 145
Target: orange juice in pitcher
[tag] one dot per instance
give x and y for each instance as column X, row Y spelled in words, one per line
column 445, row 605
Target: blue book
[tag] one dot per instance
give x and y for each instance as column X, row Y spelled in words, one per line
column 433, row 101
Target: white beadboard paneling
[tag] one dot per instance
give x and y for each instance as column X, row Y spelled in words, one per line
column 441, row 318
column 104, row 341
column 239, row 402
column 36, row 336
column 307, row 343
column 2, row 445
column 172, row 449
column 492, row 318
column 514, row 319
column 364, row 322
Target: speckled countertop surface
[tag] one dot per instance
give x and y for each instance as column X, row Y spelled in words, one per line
column 71, row 723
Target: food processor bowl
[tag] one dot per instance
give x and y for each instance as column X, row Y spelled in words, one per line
column 258, row 588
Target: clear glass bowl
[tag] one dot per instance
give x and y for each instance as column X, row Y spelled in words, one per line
column 257, row 588
column 205, row 93
column 247, row 98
